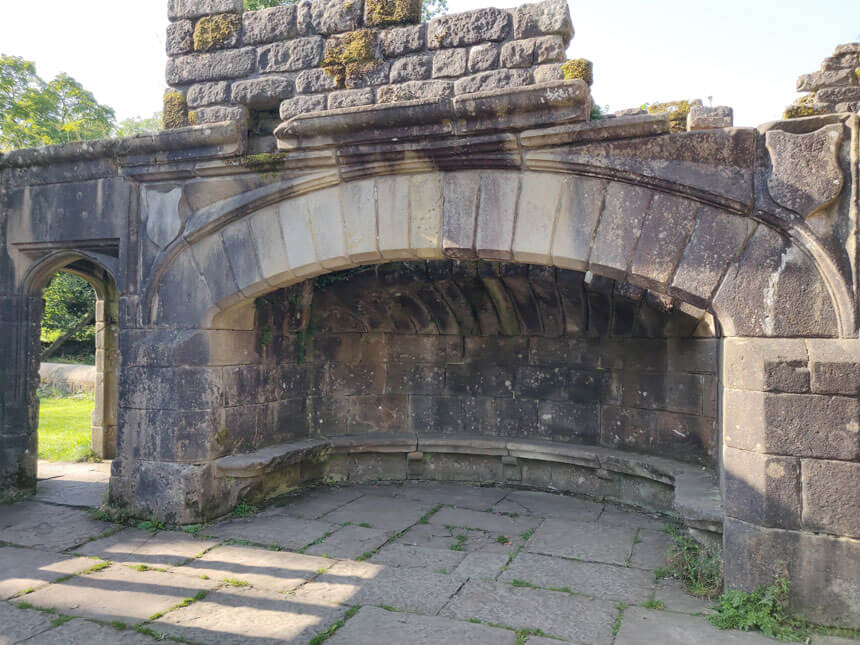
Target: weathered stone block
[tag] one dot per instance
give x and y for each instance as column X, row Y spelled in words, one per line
column 516, row 418
column 702, row 117
column 336, row 16
column 217, row 32
column 264, row 92
column 838, row 94
column 449, row 62
column 360, row 75
column 192, row 68
column 831, row 497
column 350, row 98
column 574, row 422
column 415, row 379
column 766, row 365
column 495, row 350
column 180, row 37
column 202, row 94
column 415, row 90
column 548, row 73
column 437, row 414
column 177, row 9
column 801, row 425
column 292, row 55
column 675, row 392
column 268, row 25
column 382, row 13
column 483, row 57
column 402, row 40
column 834, row 366
column 468, row 28
column 686, row 437
column 301, row 105
column 624, row 210
column 312, row 81
column 219, row 114
column 411, row 68
column 762, row 488
column 517, row 53
column 493, row 80
column 543, row 18
column 175, row 111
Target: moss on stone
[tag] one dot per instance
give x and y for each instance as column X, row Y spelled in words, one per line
column 857, row 74
column 381, row 13
column 800, row 110
column 265, row 162
column 175, row 114
column 215, row 32
column 677, row 111
column 350, row 53
column 578, row 68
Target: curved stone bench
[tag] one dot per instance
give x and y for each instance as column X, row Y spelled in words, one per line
column 683, row 490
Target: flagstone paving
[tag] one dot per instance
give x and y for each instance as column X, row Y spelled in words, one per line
column 415, row 563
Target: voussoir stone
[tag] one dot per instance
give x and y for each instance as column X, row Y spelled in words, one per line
column 212, row 66
column 292, row 55
column 468, row 28
column 267, row 91
column 268, row 25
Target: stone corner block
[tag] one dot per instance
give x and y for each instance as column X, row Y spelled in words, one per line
column 702, row 117
column 766, row 365
column 542, row 19
column 762, row 489
column 834, row 366
column 831, row 497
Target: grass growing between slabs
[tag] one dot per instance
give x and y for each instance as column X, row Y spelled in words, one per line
column 65, row 426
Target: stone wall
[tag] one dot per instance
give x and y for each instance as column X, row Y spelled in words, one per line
column 484, row 348
column 330, row 54
column 834, row 88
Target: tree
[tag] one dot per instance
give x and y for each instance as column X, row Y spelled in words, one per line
column 138, row 125
column 429, row 8
column 36, row 113
column 70, row 305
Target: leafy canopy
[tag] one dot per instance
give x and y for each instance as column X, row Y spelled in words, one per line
column 429, row 8
column 68, row 298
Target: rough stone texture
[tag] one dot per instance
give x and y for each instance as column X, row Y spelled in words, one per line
column 135, row 547
column 180, row 37
column 287, row 532
column 402, row 40
column 641, row 625
column 291, row 56
column 830, row 497
column 762, row 488
column 45, row 526
column 702, row 117
column 350, row 542
column 264, row 92
column 492, row 80
column 202, row 94
column 214, row 66
column 177, row 9
column 577, row 540
column 85, row 631
column 20, row 625
column 350, row 98
column 540, row 18
column 449, row 63
column 468, row 28
column 301, row 105
column 268, row 25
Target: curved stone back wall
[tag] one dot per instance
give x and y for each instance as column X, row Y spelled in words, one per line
column 330, row 54
column 481, row 348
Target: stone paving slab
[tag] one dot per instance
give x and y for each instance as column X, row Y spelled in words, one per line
column 158, row 550
column 79, row 472
column 612, row 516
column 490, row 522
column 289, row 533
column 80, row 631
column 610, row 582
column 583, row 541
column 350, row 542
column 548, row 505
column 473, row 497
column 316, row 503
column 19, row 624
column 22, row 569
column 381, row 513
column 261, row 568
column 244, row 616
column 49, row 527
column 435, row 536
column 119, row 593
column 367, row 626
column 650, row 551
column 416, row 557
column 364, row 583
column 670, row 593
column 575, row 618
column 88, row 494
column 480, row 565
column 640, row 626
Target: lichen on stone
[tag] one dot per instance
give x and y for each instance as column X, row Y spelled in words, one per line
column 382, row 13
column 580, row 68
column 800, row 110
column 175, row 114
column 677, row 111
column 215, row 32
column 265, row 162
column 351, row 53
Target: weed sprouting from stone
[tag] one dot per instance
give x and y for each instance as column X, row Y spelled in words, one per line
column 244, row 509
column 699, row 568
column 653, row 603
column 425, row 519
column 617, row 626
column 235, row 582
column 319, row 639
column 516, row 582
column 365, row 525
column 526, row 535
column 764, row 610
column 61, row 620
column 460, row 542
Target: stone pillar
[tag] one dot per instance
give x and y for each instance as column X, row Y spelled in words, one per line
column 107, row 377
column 791, row 471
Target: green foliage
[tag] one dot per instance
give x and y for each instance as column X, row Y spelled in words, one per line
column 653, row 603
column 319, row 639
column 764, row 610
column 34, row 112
column 699, row 568
column 244, row 509
column 139, row 125
column 68, row 298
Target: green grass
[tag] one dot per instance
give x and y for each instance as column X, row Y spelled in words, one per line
column 65, row 428
column 699, row 568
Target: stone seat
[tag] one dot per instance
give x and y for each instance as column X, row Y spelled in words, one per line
column 690, row 493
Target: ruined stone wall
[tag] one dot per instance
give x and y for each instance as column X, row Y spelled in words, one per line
column 330, row 54
column 834, row 88
column 479, row 348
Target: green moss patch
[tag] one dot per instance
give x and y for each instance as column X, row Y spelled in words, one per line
column 381, row 13
column 351, row 55
column 580, row 68
column 801, row 110
column 677, row 111
column 215, row 32
column 175, row 113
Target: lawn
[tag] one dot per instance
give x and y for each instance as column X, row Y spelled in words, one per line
column 65, row 427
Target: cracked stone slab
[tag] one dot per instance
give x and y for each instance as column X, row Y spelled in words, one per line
column 21, row 624
column 22, row 569
column 367, row 625
column 441, row 537
column 622, row 517
column 640, row 625
column 365, row 583
column 119, row 593
column 158, row 550
column 575, row 618
column 289, row 533
column 261, row 568
column 473, row 497
column 350, row 542
column 490, row 522
column 380, row 512
column 44, row 526
column 237, row 616
column 87, row 494
column 416, row 557
column 548, row 505
column 610, row 582
column 85, row 631
column 670, row 593
column 650, row 552
column 480, row 565
column 314, row 504
column 583, row 541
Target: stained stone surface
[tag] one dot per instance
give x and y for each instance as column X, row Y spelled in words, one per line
column 20, row 624
column 86, row 631
column 583, row 541
column 380, row 513
column 416, row 557
column 350, row 542
column 286, row 532
column 136, row 547
column 481, row 565
column 44, row 526
column 22, row 569
column 646, row 626
column 316, row 503
column 548, row 505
